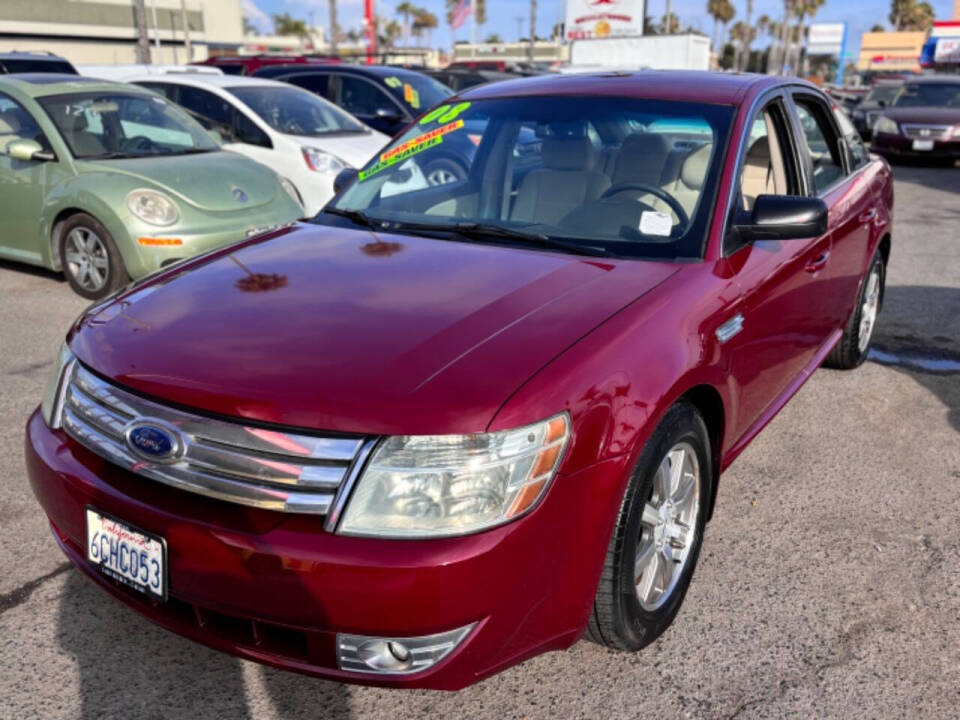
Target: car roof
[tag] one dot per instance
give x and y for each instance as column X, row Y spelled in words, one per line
column 39, row 56
column 692, row 85
column 202, row 80
column 44, row 84
column 369, row 70
column 933, row 79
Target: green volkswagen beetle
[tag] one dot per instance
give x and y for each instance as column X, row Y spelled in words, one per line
column 107, row 182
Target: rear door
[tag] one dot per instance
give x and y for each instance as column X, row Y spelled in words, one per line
column 837, row 173
column 780, row 324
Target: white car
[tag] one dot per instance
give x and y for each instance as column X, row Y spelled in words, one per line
column 303, row 138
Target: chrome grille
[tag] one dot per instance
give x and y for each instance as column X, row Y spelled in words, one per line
column 263, row 468
column 925, row 132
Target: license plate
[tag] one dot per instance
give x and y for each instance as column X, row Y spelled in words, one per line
column 127, row 554
column 923, row 144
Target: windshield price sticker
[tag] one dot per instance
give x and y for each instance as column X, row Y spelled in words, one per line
column 444, row 113
column 655, row 223
column 411, row 96
column 411, row 147
column 393, row 82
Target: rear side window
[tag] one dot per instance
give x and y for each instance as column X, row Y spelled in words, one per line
column 822, row 141
column 213, row 112
column 317, row 84
column 859, row 156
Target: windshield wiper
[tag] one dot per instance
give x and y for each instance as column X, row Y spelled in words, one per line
column 482, row 231
column 357, row 216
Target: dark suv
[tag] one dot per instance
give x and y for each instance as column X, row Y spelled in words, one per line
column 34, row 62
column 385, row 98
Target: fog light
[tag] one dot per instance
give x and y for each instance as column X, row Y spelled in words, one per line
column 396, row 656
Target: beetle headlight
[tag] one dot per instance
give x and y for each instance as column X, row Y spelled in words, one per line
column 323, row 162
column 886, row 125
column 53, row 393
column 152, row 207
column 439, row 485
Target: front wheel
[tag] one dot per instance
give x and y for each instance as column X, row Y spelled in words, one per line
column 443, row 172
column 853, row 346
column 656, row 542
column 91, row 261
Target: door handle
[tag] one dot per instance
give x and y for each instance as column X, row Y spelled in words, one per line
column 817, row 264
column 868, row 216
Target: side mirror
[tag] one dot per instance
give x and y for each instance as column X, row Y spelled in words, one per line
column 784, row 217
column 343, row 178
column 27, row 150
column 387, row 114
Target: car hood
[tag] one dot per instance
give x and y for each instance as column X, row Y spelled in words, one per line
column 931, row 115
column 338, row 329
column 215, row 181
column 354, row 148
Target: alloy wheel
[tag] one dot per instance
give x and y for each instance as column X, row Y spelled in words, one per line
column 868, row 310
column 86, row 258
column 441, row 176
column 667, row 525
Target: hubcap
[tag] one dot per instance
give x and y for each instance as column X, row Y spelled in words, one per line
column 868, row 310
column 86, row 258
column 441, row 176
column 667, row 525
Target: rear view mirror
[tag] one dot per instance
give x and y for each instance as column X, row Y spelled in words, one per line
column 27, row 150
column 343, row 178
column 784, row 217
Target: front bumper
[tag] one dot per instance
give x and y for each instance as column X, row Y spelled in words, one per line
column 900, row 146
column 275, row 588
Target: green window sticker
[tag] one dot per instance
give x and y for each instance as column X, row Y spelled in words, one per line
column 393, row 82
column 444, row 113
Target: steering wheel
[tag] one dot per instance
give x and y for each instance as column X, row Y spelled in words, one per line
column 651, row 190
column 139, row 142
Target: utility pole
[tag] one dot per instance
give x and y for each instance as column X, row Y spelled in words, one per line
column 186, row 30
column 156, row 27
column 333, row 26
column 143, row 39
column 533, row 29
column 666, row 20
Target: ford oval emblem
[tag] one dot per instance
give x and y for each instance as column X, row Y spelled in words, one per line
column 240, row 195
column 154, row 441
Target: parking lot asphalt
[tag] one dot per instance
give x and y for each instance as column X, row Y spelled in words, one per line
column 829, row 584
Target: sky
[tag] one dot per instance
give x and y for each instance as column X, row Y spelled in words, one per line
column 502, row 15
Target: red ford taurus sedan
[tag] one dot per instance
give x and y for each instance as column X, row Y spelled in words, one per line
column 443, row 429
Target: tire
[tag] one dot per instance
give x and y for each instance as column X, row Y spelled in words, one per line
column 851, row 350
column 443, row 171
column 621, row 619
column 91, row 261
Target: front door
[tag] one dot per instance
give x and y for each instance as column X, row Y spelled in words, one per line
column 781, row 323
column 22, row 186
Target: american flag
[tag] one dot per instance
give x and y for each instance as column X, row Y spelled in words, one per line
column 460, row 13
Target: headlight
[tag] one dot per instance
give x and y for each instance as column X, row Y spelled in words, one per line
column 152, row 207
column 52, row 394
column 438, row 485
column 886, row 125
column 291, row 191
column 323, row 162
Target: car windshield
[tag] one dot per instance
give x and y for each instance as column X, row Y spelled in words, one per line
column 102, row 125
column 594, row 175
column 882, row 93
column 418, row 92
column 928, row 95
column 294, row 111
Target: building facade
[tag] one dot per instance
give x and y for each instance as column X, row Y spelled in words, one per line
column 105, row 31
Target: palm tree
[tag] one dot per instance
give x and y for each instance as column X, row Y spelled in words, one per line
column 748, row 39
column 424, row 20
column 728, row 11
column 533, row 29
column 763, row 26
column 669, row 24
column 143, row 40
column 802, row 9
column 284, row 24
column 714, row 10
column 406, row 10
column 334, row 26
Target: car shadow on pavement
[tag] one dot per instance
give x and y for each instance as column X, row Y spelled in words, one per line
column 130, row 668
column 31, row 270
column 924, row 174
column 905, row 339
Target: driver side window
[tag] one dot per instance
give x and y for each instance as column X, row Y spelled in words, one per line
column 769, row 166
